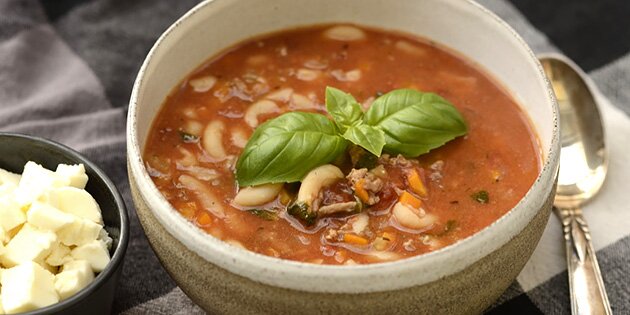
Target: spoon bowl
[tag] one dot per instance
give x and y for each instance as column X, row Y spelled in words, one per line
column 583, row 167
column 584, row 159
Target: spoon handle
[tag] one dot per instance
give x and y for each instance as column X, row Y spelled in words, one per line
column 588, row 294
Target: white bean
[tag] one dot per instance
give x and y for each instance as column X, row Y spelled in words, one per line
column 384, row 255
column 307, row 74
column 344, row 33
column 353, row 75
column 188, row 159
column 193, row 127
column 411, row 218
column 203, row 84
column 257, row 195
column 315, row 180
column 207, row 199
column 212, row 140
column 259, row 108
column 409, row 48
column 282, row 95
column 350, row 76
column 239, row 137
column 299, row 101
column 316, row 64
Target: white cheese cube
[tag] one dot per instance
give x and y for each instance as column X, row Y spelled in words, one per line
column 29, row 244
column 27, row 287
column 8, row 177
column 59, row 255
column 79, row 232
column 11, row 214
column 95, row 253
column 103, row 236
column 74, row 173
column 35, row 182
column 7, row 189
column 48, row 217
column 76, row 201
column 73, row 277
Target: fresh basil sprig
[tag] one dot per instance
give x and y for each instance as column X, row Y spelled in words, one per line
column 348, row 116
column 405, row 121
column 286, row 148
column 344, row 109
column 367, row 137
column 414, row 122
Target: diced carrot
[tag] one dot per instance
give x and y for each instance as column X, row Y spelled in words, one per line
column 408, row 199
column 355, row 239
column 360, row 191
column 415, row 183
column 204, row 219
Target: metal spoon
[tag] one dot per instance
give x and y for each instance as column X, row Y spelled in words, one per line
column 583, row 166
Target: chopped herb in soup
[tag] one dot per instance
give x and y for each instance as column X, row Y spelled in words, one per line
column 340, row 144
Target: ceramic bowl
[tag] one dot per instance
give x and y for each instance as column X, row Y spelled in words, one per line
column 98, row 296
column 462, row 278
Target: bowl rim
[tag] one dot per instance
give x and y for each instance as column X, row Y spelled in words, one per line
column 296, row 275
column 120, row 250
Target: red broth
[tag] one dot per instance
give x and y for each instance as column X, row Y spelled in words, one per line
column 470, row 182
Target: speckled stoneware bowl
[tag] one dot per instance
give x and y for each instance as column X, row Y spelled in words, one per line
column 97, row 297
column 462, row 278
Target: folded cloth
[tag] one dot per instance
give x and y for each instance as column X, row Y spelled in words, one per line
column 66, row 70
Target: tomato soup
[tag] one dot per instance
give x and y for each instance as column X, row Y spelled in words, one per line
column 360, row 208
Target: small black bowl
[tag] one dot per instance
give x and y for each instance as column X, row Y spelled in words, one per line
column 96, row 298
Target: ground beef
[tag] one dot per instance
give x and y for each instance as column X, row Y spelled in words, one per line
column 371, row 183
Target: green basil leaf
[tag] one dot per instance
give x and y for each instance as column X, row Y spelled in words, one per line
column 286, row 148
column 414, row 122
column 367, row 137
column 344, row 109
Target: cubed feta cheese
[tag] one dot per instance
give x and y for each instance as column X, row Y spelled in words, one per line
column 74, row 173
column 35, row 182
column 73, row 277
column 76, row 201
column 47, row 217
column 11, row 214
column 29, row 244
column 27, row 287
column 79, row 232
column 7, row 189
column 59, row 255
column 95, row 253
column 9, row 177
column 103, row 236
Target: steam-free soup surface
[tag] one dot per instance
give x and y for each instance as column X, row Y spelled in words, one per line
column 468, row 183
